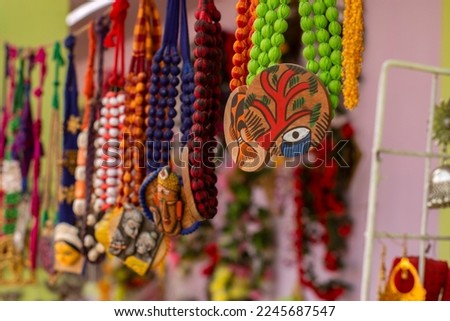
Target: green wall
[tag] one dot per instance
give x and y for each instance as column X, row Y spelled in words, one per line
column 444, row 221
column 34, row 23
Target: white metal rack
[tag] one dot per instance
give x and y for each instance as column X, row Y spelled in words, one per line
column 377, row 150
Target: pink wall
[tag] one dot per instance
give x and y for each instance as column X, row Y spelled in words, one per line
column 395, row 29
column 407, row 30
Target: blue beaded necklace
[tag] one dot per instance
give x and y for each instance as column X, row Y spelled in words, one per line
column 163, row 93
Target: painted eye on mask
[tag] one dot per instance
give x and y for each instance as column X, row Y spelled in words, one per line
column 296, row 134
column 296, row 142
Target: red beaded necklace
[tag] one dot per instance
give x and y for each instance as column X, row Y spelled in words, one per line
column 200, row 173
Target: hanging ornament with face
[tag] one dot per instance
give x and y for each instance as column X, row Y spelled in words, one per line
column 67, row 249
column 284, row 112
column 164, row 201
column 135, row 240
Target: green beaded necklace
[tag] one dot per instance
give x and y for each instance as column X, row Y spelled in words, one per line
column 316, row 33
column 270, row 25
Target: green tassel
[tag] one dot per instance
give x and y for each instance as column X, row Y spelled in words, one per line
column 9, row 228
column 59, row 61
column 11, row 213
column 12, row 198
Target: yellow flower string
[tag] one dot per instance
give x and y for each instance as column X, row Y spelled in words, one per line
column 353, row 47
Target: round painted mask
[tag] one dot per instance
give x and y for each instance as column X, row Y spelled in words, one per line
column 284, row 112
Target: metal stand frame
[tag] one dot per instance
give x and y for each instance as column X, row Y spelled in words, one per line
column 377, row 150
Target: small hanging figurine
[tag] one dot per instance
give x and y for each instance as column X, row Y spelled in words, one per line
column 67, row 247
column 164, row 200
column 124, row 230
column 136, row 241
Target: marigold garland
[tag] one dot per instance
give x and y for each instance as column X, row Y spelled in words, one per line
column 353, row 48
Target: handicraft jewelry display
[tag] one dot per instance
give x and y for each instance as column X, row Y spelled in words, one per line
column 135, row 239
column 162, row 196
column 285, row 110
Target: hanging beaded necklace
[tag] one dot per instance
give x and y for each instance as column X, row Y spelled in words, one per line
column 181, row 219
column 324, row 15
column 147, row 40
column 270, row 25
column 242, row 44
column 112, row 116
column 187, row 97
column 79, row 204
column 124, row 230
column 94, row 251
column 163, row 92
column 199, row 169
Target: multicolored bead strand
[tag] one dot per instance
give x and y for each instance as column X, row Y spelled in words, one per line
column 353, row 48
column 207, row 91
column 270, row 25
column 107, row 161
column 318, row 42
column 79, row 204
column 112, row 116
column 94, row 250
